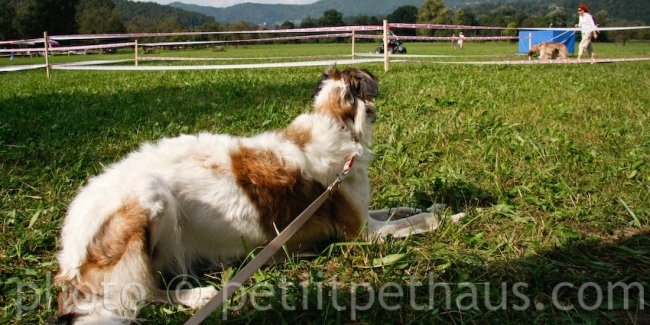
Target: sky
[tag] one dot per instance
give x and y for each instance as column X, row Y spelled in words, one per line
column 228, row 3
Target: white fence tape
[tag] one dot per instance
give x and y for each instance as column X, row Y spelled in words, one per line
column 69, row 48
column 578, row 29
column 213, row 67
column 515, row 62
column 21, row 67
column 292, row 30
column 332, row 32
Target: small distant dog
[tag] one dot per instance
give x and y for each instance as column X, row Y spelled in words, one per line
column 198, row 200
column 548, row 51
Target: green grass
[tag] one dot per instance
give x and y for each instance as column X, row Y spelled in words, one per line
column 549, row 161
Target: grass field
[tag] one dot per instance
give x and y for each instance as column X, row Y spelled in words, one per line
column 550, row 162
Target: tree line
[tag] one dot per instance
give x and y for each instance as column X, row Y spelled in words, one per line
column 29, row 18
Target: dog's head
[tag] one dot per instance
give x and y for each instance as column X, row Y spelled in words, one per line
column 348, row 96
column 533, row 51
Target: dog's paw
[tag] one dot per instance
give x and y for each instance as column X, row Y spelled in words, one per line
column 456, row 217
column 195, row 297
column 439, row 209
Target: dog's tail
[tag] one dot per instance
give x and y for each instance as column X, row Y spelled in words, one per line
column 115, row 275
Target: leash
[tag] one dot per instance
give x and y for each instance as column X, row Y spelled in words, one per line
column 267, row 252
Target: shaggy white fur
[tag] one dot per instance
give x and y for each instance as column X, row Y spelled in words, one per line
column 197, row 199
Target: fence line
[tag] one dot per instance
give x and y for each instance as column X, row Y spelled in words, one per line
column 50, row 44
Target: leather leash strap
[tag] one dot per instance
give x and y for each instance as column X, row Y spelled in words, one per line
column 267, row 252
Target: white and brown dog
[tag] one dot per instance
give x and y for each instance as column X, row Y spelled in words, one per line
column 185, row 201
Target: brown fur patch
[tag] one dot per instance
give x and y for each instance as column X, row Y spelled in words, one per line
column 336, row 107
column 269, row 183
column 128, row 225
column 337, row 219
column 205, row 163
column 280, row 194
column 124, row 233
column 299, row 136
column 276, row 189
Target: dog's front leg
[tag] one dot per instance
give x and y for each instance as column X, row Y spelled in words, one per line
column 393, row 213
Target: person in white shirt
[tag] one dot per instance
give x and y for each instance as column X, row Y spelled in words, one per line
column 589, row 32
column 461, row 40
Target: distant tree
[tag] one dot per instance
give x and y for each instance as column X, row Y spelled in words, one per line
column 468, row 18
column 556, row 16
column 406, row 15
column 374, row 20
column 430, row 11
column 308, row 22
column 622, row 36
column 241, row 25
column 362, row 20
column 287, row 24
column 534, row 21
column 168, row 24
column 331, row 18
column 601, row 18
column 459, row 17
column 97, row 17
column 207, row 27
column 7, row 14
column 210, row 27
column 511, row 30
column 434, row 12
column 138, row 24
column 52, row 16
column 507, row 14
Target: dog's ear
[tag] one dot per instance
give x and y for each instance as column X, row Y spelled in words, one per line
column 361, row 84
column 330, row 73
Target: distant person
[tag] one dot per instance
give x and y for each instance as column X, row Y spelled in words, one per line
column 589, row 32
column 461, row 39
column 453, row 41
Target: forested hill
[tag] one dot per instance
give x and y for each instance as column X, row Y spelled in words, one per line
column 637, row 11
column 150, row 11
column 29, row 18
column 274, row 14
column 630, row 10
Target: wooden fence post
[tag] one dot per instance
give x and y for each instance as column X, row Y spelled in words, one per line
column 385, row 45
column 353, row 54
column 46, row 45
